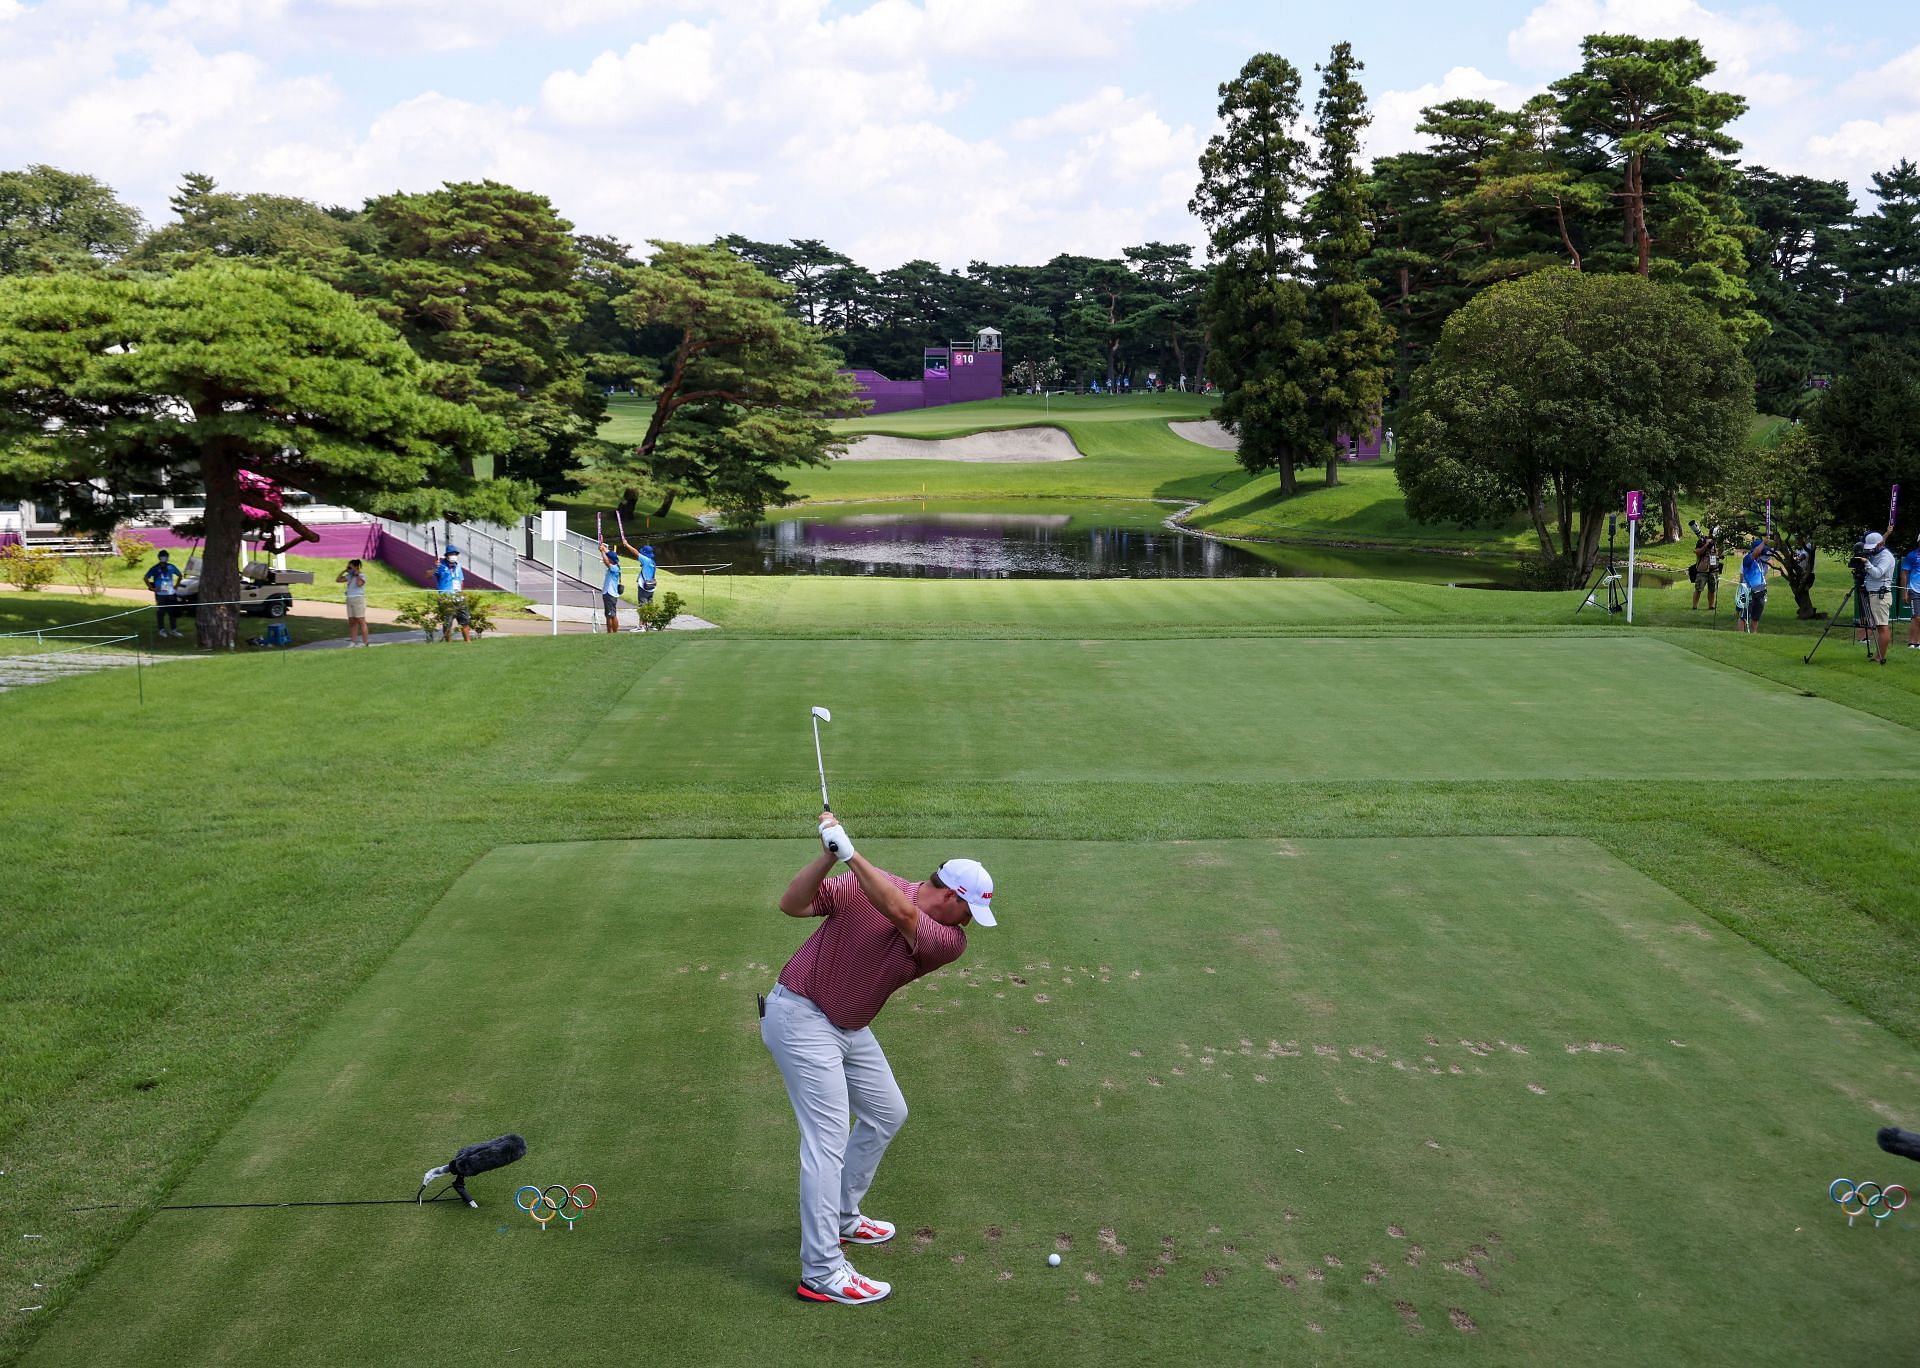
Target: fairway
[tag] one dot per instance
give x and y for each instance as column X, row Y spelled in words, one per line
column 1491, row 1100
column 1228, row 710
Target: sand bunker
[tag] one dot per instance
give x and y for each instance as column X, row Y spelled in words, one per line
column 1207, row 433
column 1010, row 446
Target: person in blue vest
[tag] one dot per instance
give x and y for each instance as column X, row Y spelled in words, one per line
column 610, row 585
column 161, row 578
column 450, row 577
column 649, row 575
column 1910, row 572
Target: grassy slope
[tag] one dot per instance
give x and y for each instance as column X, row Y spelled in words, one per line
column 168, row 954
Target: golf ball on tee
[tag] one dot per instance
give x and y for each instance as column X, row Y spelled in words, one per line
column 1053, row 1261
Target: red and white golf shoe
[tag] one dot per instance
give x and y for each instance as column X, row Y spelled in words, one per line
column 844, row 1286
column 866, row 1230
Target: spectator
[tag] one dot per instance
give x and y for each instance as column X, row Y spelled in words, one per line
column 1752, row 599
column 1910, row 573
column 649, row 576
column 1705, row 570
column 610, row 586
column 450, row 578
column 161, row 578
column 356, row 581
column 1876, row 595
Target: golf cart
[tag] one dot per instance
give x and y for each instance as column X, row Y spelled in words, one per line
column 263, row 589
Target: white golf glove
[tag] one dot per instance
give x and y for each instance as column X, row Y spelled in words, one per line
column 834, row 837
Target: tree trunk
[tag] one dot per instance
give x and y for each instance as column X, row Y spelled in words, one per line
column 1566, row 240
column 666, row 505
column 1669, row 517
column 220, row 557
column 1589, row 550
column 1637, row 210
column 1802, row 587
column 1537, row 511
column 1288, row 485
column 629, row 502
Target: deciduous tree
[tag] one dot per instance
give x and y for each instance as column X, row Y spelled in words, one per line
column 53, row 220
column 1554, row 394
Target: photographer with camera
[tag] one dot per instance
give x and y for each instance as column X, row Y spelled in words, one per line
column 1910, row 571
column 1705, row 570
column 1873, row 567
column 1752, row 599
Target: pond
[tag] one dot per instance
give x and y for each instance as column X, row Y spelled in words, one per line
column 1043, row 539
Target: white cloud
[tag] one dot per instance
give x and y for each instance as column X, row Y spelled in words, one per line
column 1861, row 147
column 1396, row 113
column 672, row 68
column 1896, row 82
column 1738, row 40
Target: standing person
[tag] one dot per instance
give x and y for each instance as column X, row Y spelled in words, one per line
column 161, row 577
column 356, row 581
column 1876, row 595
column 1753, row 584
column 1705, row 570
column 450, row 578
column 610, row 586
column 879, row 933
column 649, row 576
column 1910, row 574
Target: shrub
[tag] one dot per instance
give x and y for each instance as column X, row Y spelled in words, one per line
column 656, row 615
column 439, row 613
column 89, row 572
column 27, row 568
column 131, row 548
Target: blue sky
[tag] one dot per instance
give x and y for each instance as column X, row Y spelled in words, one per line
column 1007, row 130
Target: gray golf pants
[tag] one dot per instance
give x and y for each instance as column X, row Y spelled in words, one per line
column 829, row 1073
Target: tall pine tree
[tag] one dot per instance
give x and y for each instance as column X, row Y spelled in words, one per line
column 1354, row 350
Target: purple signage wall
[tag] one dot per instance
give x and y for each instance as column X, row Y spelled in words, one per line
column 946, row 377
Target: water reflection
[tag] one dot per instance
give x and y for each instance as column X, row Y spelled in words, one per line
column 1043, row 539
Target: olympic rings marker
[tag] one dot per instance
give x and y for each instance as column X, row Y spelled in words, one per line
column 1855, row 1200
column 567, row 1205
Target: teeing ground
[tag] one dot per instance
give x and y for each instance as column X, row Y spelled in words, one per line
column 1497, row 1100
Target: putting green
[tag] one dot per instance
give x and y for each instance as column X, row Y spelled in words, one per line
column 1276, row 1099
column 1229, row 710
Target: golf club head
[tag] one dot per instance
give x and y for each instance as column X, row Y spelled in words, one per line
column 823, row 714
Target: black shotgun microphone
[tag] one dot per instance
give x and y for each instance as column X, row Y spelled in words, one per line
column 1905, row 1143
column 481, row 1158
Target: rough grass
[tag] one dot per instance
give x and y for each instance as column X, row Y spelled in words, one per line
column 195, row 889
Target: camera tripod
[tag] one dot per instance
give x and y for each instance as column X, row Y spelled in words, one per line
column 1852, row 596
column 1608, row 575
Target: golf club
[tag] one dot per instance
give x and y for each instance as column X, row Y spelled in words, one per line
column 821, row 715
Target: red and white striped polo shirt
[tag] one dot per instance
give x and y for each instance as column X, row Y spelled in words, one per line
column 854, row 961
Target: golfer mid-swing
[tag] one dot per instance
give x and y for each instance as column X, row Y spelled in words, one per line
column 879, row 932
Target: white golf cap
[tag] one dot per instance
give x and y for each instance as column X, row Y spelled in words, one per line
column 1873, row 541
column 969, row 878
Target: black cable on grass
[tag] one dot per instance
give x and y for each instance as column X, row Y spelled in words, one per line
column 240, row 1206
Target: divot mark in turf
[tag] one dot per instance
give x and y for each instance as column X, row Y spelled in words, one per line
column 1396, row 1232
column 1414, row 1255
column 1156, row 1272
column 1091, row 1277
column 1332, row 1260
column 922, row 1238
column 1461, row 1320
column 959, row 1258
column 1273, row 1263
column 1006, row 1275
column 1409, row 1317
column 1063, row 1242
column 1135, row 1285
column 1110, row 1241
column 1375, row 1272
column 1536, row 1090
column 1431, row 1144
column 1211, row 1277
column 1315, row 1275
column 1314, row 1326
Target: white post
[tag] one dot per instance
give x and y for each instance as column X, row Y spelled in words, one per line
column 553, row 528
column 1633, row 528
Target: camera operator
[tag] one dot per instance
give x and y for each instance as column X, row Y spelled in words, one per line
column 1873, row 567
column 1705, row 570
column 1752, row 600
